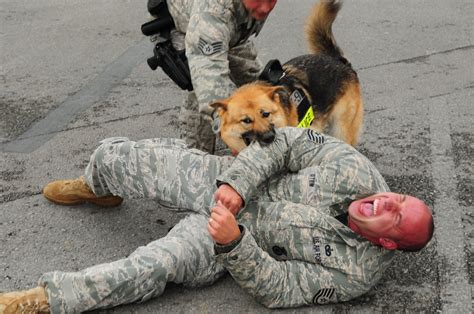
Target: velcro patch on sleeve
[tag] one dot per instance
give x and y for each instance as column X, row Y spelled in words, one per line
column 210, row 48
column 325, row 296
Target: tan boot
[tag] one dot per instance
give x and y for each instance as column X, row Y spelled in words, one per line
column 26, row 301
column 74, row 192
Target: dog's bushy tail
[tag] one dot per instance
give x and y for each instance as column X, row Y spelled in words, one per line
column 318, row 29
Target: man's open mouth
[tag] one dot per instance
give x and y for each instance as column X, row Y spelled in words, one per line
column 369, row 209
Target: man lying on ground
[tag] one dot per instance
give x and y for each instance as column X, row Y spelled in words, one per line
column 304, row 220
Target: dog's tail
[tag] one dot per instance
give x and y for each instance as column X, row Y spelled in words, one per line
column 318, row 29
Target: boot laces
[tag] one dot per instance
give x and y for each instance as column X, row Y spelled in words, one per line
column 79, row 184
column 27, row 302
column 33, row 306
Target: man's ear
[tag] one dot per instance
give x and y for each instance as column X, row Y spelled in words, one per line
column 387, row 243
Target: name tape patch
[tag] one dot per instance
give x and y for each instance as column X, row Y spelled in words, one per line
column 317, row 249
column 312, row 179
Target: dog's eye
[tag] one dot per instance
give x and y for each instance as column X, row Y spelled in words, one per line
column 247, row 120
column 265, row 114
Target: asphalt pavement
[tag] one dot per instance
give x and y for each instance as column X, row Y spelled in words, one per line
column 74, row 72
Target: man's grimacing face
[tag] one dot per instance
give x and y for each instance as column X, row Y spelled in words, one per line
column 385, row 218
column 259, row 9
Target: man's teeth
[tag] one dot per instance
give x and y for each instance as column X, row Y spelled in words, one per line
column 376, row 207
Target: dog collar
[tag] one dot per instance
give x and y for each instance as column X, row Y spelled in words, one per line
column 303, row 107
column 274, row 74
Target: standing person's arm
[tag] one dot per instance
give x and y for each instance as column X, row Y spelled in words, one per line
column 207, row 41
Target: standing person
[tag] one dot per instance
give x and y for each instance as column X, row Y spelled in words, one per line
column 304, row 220
column 215, row 36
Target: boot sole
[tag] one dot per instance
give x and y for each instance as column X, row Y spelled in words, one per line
column 98, row 202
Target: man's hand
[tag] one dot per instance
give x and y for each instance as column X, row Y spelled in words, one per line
column 229, row 198
column 222, row 225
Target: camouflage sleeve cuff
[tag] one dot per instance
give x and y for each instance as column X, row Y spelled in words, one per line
column 258, row 162
column 220, row 249
column 238, row 183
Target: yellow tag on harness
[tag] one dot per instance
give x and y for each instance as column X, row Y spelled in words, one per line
column 307, row 119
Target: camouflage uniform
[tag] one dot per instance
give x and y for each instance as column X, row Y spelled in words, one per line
column 294, row 250
column 215, row 35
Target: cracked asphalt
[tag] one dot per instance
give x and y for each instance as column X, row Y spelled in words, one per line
column 74, row 72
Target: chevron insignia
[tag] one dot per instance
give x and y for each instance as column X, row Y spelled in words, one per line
column 325, row 296
column 315, row 136
column 209, row 48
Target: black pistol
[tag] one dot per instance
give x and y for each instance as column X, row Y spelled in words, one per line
column 173, row 62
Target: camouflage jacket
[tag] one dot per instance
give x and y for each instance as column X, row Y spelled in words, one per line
column 212, row 28
column 295, row 250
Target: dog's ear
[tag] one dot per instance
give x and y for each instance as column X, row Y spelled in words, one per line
column 280, row 94
column 219, row 106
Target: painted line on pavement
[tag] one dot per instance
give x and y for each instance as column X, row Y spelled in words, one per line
column 94, row 91
column 456, row 294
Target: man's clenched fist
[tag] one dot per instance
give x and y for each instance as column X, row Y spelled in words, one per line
column 222, row 225
column 229, row 198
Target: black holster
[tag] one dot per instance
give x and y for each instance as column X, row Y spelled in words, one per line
column 173, row 62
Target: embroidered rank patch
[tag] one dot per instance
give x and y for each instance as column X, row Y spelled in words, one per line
column 317, row 249
column 315, row 137
column 209, row 48
column 325, row 296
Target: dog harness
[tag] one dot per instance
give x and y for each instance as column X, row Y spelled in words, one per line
column 273, row 73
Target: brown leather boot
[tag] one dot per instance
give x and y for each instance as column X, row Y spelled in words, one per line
column 74, row 192
column 26, row 301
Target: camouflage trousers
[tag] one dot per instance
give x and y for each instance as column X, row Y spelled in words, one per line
column 195, row 119
column 163, row 169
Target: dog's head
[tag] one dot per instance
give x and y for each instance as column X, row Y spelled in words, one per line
column 252, row 113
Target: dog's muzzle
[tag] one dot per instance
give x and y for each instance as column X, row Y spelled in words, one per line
column 261, row 137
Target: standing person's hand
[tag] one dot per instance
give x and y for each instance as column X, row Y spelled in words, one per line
column 222, row 225
column 229, row 198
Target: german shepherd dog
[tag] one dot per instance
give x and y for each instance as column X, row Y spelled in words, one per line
column 324, row 79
